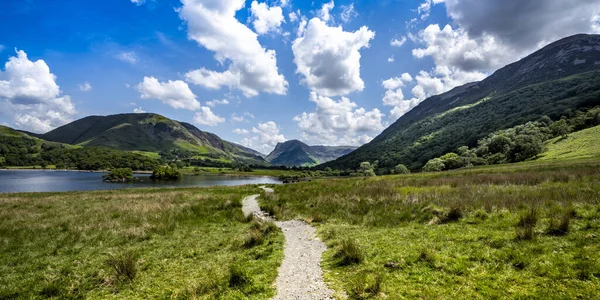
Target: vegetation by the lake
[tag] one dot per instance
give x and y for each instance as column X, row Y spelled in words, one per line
column 135, row 244
column 166, row 173
column 528, row 230
column 119, row 175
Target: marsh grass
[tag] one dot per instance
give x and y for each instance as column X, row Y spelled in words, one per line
column 349, row 253
column 489, row 234
column 134, row 244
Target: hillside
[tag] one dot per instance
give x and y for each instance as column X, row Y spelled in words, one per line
column 297, row 153
column 151, row 133
column 578, row 145
column 554, row 81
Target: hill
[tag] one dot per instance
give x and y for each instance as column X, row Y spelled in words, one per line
column 296, row 153
column 152, row 133
column 578, row 145
column 554, row 81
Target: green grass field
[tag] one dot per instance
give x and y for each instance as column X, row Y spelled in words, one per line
column 135, row 244
column 578, row 145
column 461, row 234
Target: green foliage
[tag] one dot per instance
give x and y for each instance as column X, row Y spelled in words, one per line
column 121, row 174
column 124, row 265
column 366, row 169
column 349, row 253
column 401, row 169
column 434, row 165
column 166, row 173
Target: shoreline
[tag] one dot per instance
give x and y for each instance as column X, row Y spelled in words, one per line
column 68, row 170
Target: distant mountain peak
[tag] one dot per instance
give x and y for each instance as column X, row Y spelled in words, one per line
column 298, row 153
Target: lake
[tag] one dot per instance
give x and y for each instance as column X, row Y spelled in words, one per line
column 12, row 181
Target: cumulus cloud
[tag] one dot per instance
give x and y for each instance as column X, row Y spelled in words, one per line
column 329, row 58
column 391, row 59
column 398, row 42
column 425, row 8
column 325, row 12
column 176, row 94
column 241, row 118
column 266, row 19
column 128, row 57
column 348, row 13
column 241, row 131
column 338, row 122
column 85, row 87
column 214, row 103
column 206, row 117
column 523, row 24
column 29, row 94
column 396, row 82
column 139, row 110
column 265, row 137
column 138, row 2
column 251, row 68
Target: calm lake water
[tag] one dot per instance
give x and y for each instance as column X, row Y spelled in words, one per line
column 12, row 181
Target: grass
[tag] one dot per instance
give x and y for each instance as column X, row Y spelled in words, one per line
column 578, row 145
column 512, row 231
column 135, row 244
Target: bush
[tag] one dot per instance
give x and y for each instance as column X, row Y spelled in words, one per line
column 401, row 169
column 124, row 265
column 350, row 253
column 434, row 165
column 526, row 225
column 122, row 175
column 166, row 173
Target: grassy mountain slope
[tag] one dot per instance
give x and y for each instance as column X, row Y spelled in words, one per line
column 297, row 153
column 150, row 133
column 554, row 81
column 578, row 145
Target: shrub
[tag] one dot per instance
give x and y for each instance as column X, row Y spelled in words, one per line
column 349, row 253
column 121, row 174
column 166, row 173
column 401, row 169
column 124, row 265
column 434, row 165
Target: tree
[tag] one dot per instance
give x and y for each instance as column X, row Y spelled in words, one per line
column 366, row 169
column 560, row 128
column 401, row 169
column 452, row 161
column 434, row 165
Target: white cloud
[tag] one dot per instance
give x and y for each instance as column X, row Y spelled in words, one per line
column 251, row 68
column 396, row 82
column 138, row 2
column 348, row 13
column 241, row 131
column 266, row 19
column 425, row 8
column 595, row 25
column 206, row 117
column 338, row 122
column 29, row 94
column 293, row 16
column 85, row 87
column 128, row 57
column 241, row 118
column 329, row 58
column 176, row 94
column 325, row 12
column 214, row 103
column 391, row 59
column 139, row 110
column 398, row 42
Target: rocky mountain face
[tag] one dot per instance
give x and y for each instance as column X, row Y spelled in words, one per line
column 296, row 153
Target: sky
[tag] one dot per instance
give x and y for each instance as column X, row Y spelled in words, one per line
column 258, row 72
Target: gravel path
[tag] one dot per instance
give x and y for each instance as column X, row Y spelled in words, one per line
column 300, row 275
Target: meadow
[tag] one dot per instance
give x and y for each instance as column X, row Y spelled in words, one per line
column 519, row 231
column 136, row 244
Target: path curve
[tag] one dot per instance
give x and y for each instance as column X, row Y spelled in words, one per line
column 300, row 275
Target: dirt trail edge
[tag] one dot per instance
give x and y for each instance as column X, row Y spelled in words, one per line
column 300, row 275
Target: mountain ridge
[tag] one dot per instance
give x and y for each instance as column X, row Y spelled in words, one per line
column 514, row 94
column 295, row 153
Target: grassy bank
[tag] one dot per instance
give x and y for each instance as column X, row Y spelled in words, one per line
column 153, row 243
column 512, row 231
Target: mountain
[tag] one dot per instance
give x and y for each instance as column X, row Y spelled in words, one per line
column 150, row 133
column 555, row 81
column 296, row 153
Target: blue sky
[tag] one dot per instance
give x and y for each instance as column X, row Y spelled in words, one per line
column 325, row 72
